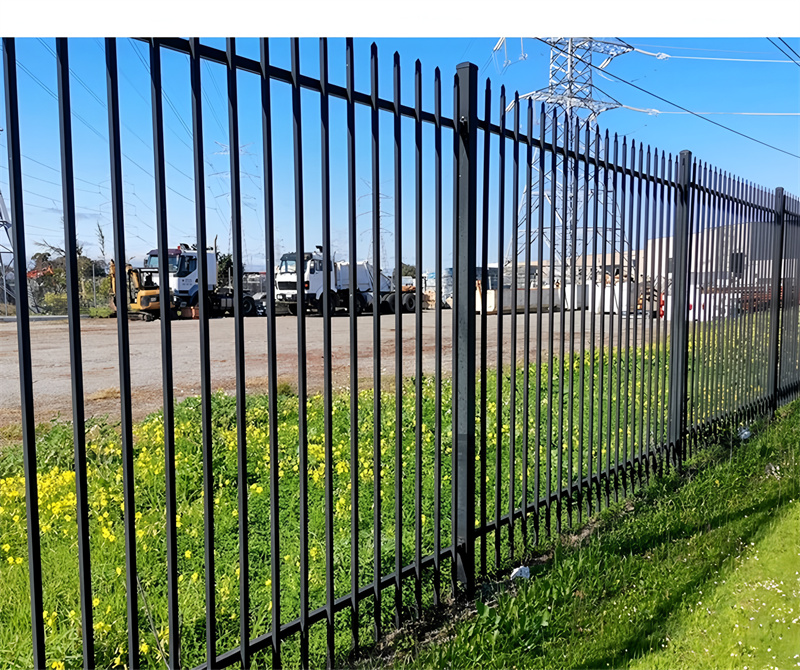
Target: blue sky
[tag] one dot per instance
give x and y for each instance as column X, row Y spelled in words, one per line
column 701, row 74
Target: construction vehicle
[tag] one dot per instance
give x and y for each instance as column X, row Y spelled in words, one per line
column 144, row 298
column 312, row 274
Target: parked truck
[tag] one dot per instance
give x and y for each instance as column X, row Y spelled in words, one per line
column 144, row 298
column 369, row 289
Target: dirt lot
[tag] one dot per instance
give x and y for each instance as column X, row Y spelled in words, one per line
column 52, row 377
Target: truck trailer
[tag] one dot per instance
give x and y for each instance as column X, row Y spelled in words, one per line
column 369, row 289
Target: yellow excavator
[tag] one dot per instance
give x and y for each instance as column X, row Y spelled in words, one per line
column 142, row 290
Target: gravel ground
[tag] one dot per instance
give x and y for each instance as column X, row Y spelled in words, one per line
column 52, row 375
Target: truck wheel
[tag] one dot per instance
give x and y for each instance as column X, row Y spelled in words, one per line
column 293, row 310
column 390, row 302
column 409, row 302
column 359, row 302
column 334, row 302
column 248, row 306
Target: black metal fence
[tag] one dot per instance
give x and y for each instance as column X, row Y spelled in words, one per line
column 649, row 300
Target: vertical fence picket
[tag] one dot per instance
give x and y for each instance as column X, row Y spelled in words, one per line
column 75, row 351
column 398, row 346
column 376, row 340
column 501, row 189
column 418, row 372
column 167, row 377
column 205, row 357
column 618, row 224
column 679, row 331
column 526, row 338
column 550, row 334
column 484, row 365
column 302, row 381
column 437, row 466
column 603, row 477
column 327, row 347
column 596, row 392
column 272, row 355
column 778, row 234
column 464, row 256
column 573, row 256
column 123, row 344
column 561, row 316
column 587, row 304
column 239, row 353
column 353, row 308
column 512, row 392
column 539, row 291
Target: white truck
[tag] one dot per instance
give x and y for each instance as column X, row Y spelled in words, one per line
column 311, row 267
column 183, row 281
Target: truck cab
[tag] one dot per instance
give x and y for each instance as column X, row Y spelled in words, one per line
column 310, row 266
column 183, row 272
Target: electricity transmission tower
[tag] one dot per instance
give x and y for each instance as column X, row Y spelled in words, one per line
column 6, row 249
column 570, row 94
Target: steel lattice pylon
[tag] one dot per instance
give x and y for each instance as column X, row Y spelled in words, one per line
column 6, row 249
column 570, row 94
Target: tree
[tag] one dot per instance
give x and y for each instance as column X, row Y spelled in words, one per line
column 406, row 270
column 48, row 277
column 224, row 266
column 101, row 241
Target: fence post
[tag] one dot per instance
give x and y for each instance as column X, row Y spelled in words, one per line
column 679, row 328
column 464, row 382
column 775, row 296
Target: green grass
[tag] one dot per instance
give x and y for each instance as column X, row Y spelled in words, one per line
column 752, row 618
column 98, row 312
column 700, row 571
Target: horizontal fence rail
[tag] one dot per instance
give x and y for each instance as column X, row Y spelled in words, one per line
column 612, row 308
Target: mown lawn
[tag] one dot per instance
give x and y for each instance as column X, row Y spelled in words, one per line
column 700, row 570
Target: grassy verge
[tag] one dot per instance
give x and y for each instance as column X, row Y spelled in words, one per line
column 700, row 571
column 752, row 618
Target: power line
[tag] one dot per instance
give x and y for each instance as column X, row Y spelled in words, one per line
column 665, row 56
column 661, row 46
column 139, row 93
column 74, row 74
column 54, row 183
column 656, row 112
column 91, row 127
column 778, row 47
column 163, row 92
column 102, row 137
column 689, row 111
column 788, row 46
column 55, row 97
column 205, row 95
